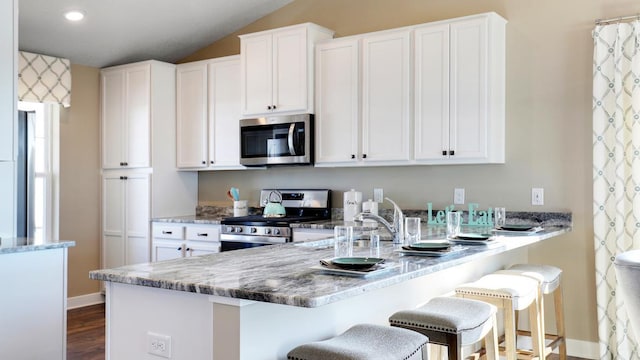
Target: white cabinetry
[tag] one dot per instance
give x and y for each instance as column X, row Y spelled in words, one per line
column 277, row 69
column 379, row 133
column 459, row 90
column 126, row 116
column 154, row 187
column 125, row 211
column 208, row 111
column 458, row 67
column 171, row 241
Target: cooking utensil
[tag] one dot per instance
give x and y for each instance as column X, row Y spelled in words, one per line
column 229, row 195
column 273, row 207
column 235, row 193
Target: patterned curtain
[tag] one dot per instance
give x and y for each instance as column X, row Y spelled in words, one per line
column 616, row 175
column 44, row 79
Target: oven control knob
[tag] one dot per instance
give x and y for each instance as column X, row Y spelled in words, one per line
column 230, row 229
column 254, row 230
column 267, row 231
column 238, row 229
column 276, row 231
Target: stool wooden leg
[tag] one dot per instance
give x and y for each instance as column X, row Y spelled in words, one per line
column 559, row 309
column 534, row 321
column 454, row 349
column 491, row 340
column 509, row 330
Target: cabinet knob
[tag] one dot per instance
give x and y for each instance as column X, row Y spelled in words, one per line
column 273, row 107
column 364, row 156
column 353, row 156
column 180, row 248
column 444, row 152
column 204, row 162
column 212, row 161
column 269, row 107
column 187, row 249
column 452, row 152
column 124, row 164
column 123, row 178
column 121, row 163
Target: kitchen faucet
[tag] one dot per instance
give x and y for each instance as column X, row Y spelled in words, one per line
column 396, row 228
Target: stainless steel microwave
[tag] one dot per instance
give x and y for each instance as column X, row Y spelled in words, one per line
column 277, row 140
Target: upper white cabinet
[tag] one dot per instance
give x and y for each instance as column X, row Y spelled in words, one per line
column 208, row 110
column 126, row 116
column 460, row 90
column 363, row 120
column 337, row 130
column 8, row 80
column 277, row 69
column 427, row 94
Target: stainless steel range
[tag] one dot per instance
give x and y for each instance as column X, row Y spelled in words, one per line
column 300, row 205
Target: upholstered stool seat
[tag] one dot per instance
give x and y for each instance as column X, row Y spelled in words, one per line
column 551, row 284
column 364, row 342
column 452, row 322
column 510, row 292
column 627, row 267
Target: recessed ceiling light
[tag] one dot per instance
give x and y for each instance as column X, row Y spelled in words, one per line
column 74, row 15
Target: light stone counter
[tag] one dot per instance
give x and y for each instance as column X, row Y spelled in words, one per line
column 16, row 245
column 282, row 274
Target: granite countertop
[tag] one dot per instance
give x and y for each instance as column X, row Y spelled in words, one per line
column 15, row 245
column 191, row 219
column 282, row 274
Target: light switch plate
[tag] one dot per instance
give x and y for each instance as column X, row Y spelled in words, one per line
column 537, row 196
column 458, row 196
column 378, row 195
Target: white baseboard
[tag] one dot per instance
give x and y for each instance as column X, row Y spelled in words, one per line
column 583, row 349
column 85, row 300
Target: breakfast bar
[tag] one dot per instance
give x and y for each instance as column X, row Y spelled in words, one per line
column 259, row 303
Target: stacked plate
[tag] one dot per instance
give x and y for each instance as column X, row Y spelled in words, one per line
column 471, row 239
column 431, row 248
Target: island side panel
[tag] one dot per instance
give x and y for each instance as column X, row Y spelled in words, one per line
column 135, row 311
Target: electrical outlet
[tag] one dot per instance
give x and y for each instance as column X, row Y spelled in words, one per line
column 158, row 344
column 458, row 196
column 378, row 195
column 537, row 196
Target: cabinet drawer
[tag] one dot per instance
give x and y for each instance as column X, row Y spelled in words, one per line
column 168, row 231
column 203, row 233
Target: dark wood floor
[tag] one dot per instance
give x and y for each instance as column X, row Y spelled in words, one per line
column 85, row 334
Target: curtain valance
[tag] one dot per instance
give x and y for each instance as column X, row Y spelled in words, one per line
column 44, row 79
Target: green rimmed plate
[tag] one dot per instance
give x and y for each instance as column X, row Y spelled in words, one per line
column 430, row 245
column 515, row 227
column 356, row 263
column 470, row 236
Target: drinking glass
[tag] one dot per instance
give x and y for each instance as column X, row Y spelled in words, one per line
column 343, row 246
column 374, row 244
column 454, row 220
column 500, row 217
column 412, row 229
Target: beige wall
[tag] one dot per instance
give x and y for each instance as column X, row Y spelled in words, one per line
column 549, row 56
column 80, row 179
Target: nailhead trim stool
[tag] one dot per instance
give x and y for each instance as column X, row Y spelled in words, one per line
column 365, row 342
column 453, row 322
column 511, row 293
column 551, row 284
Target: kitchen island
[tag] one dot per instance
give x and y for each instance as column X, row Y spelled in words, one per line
column 33, row 304
column 259, row 303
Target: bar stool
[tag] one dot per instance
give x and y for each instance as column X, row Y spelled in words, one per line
column 551, row 284
column 453, row 322
column 511, row 293
column 364, row 342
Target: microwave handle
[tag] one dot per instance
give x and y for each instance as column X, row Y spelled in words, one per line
column 292, row 149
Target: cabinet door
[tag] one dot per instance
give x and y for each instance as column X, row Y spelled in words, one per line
column 113, row 232
column 290, row 70
column 468, row 119
column 112, row 118
column 257, row 70
column 167, row 249
column 224, row 114
column 195, row 248
column 137, row 137
column 385, row 97
column 191, row 107
column 137, row 218
column 431, row 117
column 337, row 102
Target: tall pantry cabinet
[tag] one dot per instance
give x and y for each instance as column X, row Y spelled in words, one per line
column 140, row 180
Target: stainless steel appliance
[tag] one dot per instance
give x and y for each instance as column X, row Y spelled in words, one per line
column 277, row 140
column 257, row 230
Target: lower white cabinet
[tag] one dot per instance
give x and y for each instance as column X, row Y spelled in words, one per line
column 305, row 234
column 171, row 241
column 126, row 213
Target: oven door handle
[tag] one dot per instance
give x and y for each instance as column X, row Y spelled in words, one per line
column 253, row 239
column 292, row 149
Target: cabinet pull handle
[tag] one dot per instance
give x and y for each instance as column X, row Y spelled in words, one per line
column 203, row 234
column 364, row 156
column 124, row 164
column 167, row 232
column 452, row 152
column 353, row 156
column 444, row 152
column 123, row 178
